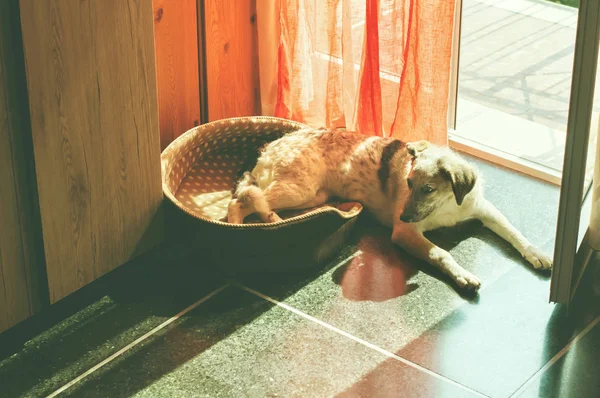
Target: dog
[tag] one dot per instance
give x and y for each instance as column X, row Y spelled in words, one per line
column 411, row 187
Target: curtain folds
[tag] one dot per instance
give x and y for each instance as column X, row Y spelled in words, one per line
column 379, row 67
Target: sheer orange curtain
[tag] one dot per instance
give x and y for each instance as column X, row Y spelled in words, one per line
column 380, row 67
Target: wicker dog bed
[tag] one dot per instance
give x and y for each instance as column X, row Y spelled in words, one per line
column 200, row 170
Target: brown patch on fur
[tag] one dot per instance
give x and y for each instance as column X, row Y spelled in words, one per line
column 384, row 166
column 461, row 176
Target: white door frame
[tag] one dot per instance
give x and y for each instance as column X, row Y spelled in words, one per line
column 571, row 254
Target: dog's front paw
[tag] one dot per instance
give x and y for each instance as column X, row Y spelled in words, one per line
column 467, row 280
column 537, row 258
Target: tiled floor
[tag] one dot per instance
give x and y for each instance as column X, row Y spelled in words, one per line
column 372, row 323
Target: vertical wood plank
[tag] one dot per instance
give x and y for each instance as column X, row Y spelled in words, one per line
column 231, row 59
column 20, row 257
column 92, row 92
column 176, row 41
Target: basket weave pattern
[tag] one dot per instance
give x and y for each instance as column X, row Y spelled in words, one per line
column 201, row 168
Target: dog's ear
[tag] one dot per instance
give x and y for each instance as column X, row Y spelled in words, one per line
column 461, row 175
column 415, row 148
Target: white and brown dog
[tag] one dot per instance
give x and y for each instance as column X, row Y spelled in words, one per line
column 413, row 187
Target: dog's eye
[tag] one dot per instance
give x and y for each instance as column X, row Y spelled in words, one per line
column 427, row 189
column 409, row 182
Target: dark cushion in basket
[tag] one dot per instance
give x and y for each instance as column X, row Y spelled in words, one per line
column 200, row 170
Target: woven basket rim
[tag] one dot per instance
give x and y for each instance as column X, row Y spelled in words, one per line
column 174, row 145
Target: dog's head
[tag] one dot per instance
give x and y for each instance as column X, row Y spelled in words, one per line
column 438, row 175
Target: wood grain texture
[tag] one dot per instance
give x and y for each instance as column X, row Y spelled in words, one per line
column 20, row 257
column 231, row 59
column 176, row 42
column 92, row 92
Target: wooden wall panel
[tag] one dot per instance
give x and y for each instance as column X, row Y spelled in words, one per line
column 231, row 59
column 20, row 257
column 176, row 41
column 92, row 92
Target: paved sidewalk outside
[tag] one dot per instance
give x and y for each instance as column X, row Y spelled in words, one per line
column 517, row 57
column 516, row 66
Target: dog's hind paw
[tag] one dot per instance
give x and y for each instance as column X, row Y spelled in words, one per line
column 537, row 258
column 467, row 280
column 234, row 213
column 273, row 217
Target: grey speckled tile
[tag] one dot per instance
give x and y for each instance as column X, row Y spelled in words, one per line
column 531, row 205
column 155, row 289
column 497, row 345
column 240, row 345
column 575, row 375
column 388, row 298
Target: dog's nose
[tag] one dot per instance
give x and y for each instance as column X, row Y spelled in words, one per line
column 405, row 218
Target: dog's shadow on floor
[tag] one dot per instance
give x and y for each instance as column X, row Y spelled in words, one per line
column 382, row 271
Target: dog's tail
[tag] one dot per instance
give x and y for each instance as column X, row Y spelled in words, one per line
column 245, row 187
column 250, row 196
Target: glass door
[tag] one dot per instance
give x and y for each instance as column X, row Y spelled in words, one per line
column 513, row 83
column 522, row 96
column 574, row 247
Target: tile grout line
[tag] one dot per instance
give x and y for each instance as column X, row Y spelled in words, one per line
column 359, row 340
column 137, row 341
column 555, row 358
column 153, row 331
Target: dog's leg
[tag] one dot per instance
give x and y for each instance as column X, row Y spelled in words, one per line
column 282, row 195
column 258, row 200
column 320, row 198
column 493, row 219
column 412, row 240
column 238, row 211
column 279, row 195
column 242, row 205
column 250, row 199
